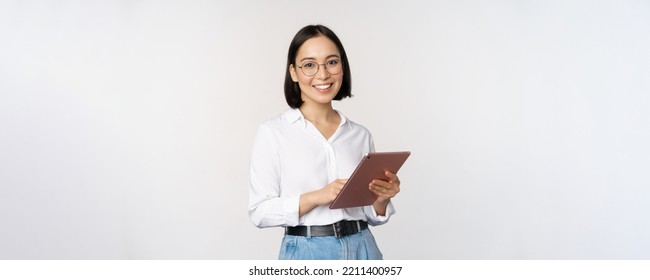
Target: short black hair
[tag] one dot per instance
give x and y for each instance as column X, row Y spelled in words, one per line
column 291, row 88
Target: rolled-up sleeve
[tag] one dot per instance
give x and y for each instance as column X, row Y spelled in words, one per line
column 374, row 219
column 266, row 206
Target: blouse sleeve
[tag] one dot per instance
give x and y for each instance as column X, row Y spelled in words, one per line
column 374, row 219
column 266, row 208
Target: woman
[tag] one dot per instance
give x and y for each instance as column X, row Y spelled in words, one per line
column 300, row 157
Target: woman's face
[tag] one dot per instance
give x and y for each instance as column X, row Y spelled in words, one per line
column 322, row 87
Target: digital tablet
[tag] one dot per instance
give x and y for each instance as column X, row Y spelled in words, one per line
column 356, row 190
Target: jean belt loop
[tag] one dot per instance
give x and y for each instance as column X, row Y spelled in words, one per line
column 308, row 231
column 358, row 226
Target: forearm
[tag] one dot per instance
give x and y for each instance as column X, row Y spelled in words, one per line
column 377, row 218
column 323, row 196
column 308, row 201
column 380, row 207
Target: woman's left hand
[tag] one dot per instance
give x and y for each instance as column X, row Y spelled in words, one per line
column 385, row 190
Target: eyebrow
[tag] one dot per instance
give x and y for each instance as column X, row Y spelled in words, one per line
column 329, row 56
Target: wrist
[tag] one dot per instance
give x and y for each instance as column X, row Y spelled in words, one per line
column 313, row 198
column 381, row 202
column 380, row 207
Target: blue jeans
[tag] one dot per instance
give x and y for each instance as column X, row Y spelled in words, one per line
column 358, row 246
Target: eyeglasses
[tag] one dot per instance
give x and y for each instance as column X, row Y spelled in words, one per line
column 332, row 66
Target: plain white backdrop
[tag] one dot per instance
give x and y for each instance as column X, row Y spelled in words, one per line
column 126, row 126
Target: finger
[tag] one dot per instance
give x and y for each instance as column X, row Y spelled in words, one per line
column 382, row 189
column 392, row 176
column 377, row 191
column 382, row 192
column 380, row 183
column 387, row 187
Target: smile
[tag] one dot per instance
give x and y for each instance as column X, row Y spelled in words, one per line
column 322, row 87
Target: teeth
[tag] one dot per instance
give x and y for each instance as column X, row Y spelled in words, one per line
column 323, row 86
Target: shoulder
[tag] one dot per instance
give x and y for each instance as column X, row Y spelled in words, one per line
column 354, row 126
column 283, row 119
column 278, row 125
column 359, row 128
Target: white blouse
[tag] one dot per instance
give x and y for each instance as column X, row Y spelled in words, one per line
column 291, row 157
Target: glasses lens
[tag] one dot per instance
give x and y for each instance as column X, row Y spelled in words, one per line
column 309, row 68
column 333, row 66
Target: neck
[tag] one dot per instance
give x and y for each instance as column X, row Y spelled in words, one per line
column 320, row 113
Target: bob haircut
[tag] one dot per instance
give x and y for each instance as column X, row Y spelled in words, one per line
column 291, row 88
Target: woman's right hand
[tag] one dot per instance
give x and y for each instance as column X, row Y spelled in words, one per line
column 322, row 196
column 328, row 193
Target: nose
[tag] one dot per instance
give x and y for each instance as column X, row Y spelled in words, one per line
column 322, row 72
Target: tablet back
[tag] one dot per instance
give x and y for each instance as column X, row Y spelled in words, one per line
column 372, row 166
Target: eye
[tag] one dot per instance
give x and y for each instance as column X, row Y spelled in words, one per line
column 333, row 62
column 309, row 65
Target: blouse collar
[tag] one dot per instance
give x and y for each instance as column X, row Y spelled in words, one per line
column 294, row 115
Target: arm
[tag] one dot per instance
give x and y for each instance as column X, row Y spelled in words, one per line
column 323, row 196
column 385, row 190
column 265, row 207
column 382, row 209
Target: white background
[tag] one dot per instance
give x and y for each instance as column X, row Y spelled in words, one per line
column 126, row 126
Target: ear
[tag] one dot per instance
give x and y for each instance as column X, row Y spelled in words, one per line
column 292, row 71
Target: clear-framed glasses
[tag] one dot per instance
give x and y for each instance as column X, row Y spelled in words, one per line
column 332, row 66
